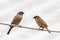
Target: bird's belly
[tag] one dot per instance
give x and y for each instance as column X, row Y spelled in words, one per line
column 18, row 21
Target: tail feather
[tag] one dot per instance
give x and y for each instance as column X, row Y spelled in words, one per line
column 48, row 30
column 9, row 30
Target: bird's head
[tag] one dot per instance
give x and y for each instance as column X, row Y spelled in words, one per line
column 36, row 17
column 20, row 13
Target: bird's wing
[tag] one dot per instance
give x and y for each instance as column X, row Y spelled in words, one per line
column 14, row 21
column 43, row 23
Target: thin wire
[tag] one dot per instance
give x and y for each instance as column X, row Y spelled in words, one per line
column 29, row 27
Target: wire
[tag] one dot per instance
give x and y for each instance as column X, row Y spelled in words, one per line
column 28, row 27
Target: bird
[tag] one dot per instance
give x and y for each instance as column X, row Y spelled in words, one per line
column 16, row 20
column 41, row 23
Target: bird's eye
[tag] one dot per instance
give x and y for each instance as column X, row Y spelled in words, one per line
column 37, row 18
column 19, row 14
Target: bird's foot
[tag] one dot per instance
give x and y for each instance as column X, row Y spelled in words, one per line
column 18, row 25
column 42, row 29
column 39, row 29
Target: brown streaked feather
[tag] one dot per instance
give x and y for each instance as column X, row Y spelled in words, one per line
column 16, row 20
column 41, row 23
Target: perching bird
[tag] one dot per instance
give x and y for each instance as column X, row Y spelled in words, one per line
column 41, row 23
column 16, row 20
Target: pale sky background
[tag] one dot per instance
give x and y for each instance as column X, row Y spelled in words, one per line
column 49, row 10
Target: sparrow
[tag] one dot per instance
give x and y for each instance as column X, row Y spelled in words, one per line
column 16, row 20
column 41, row 23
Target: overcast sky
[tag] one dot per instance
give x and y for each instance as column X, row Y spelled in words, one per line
column 49, row 10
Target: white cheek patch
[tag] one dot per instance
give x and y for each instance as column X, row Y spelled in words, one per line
column 36, row 19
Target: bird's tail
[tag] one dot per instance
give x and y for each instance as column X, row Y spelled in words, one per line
column 48, row 30
column 9, row 30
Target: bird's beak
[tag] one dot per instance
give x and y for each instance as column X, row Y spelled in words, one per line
column 33, row 17
column 22, row 13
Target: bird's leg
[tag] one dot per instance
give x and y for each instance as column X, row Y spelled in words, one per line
column 39, row 29
column 18, row 25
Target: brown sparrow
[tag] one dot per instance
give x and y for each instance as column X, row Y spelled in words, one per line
column 41, row 23
column 16, row 20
